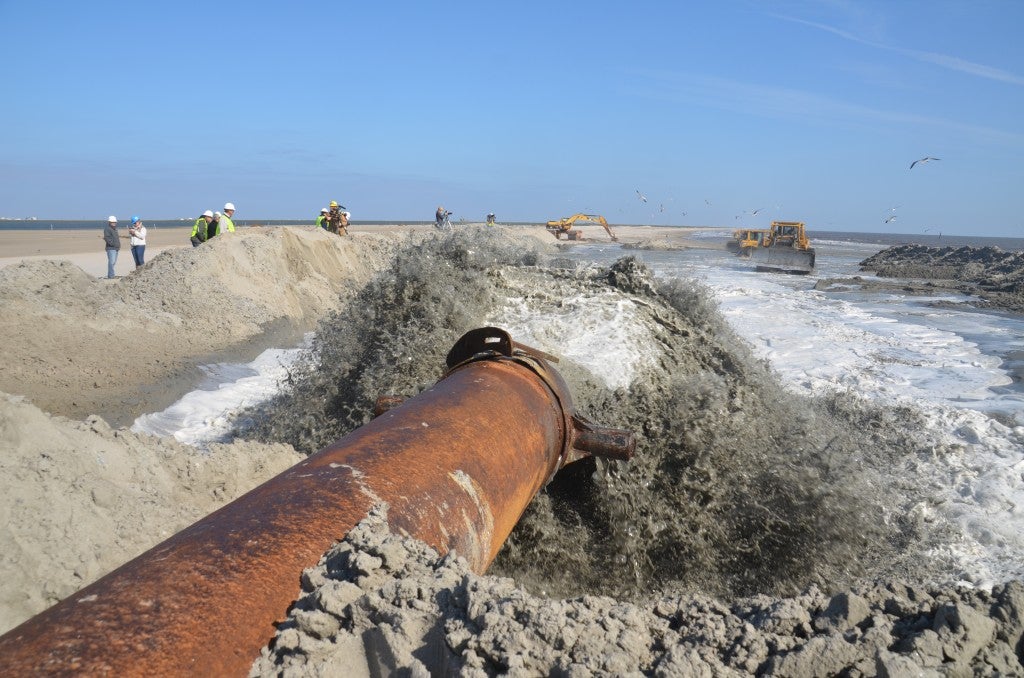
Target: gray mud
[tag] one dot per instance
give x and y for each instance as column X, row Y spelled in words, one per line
column 738, row 488
column 380, row 604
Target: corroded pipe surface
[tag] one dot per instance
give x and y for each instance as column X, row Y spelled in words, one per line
column 458, row 464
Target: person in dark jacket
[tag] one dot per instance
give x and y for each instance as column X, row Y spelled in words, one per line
column 112, row 242
column 199, row 228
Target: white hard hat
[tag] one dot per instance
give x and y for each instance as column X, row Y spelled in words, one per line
column 217, row 215
column 324, row 210
column 229, row 206
column 347, row 214
column 111, row 219
column 207, row 213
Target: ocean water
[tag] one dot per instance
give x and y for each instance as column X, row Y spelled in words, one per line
column 963, row 368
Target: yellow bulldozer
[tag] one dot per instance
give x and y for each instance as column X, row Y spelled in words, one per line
column 565, row 226
column 745, row 239
column 784, row 248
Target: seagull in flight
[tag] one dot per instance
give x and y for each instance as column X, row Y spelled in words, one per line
column 754, row 213
column 641, row 195
column 892, row 218
column 923, row 160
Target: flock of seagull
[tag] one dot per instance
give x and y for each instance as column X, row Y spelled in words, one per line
column 889, row 218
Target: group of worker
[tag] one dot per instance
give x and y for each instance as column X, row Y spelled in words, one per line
column 334, row 219
column 209, row 224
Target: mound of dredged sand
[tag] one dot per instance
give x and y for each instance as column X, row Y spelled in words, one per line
column 993, row 274
column 77, row 346
column 78, row 499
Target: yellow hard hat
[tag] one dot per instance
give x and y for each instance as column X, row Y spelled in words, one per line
column 334, row 204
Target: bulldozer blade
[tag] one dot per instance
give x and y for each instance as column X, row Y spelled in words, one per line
column 785, row 259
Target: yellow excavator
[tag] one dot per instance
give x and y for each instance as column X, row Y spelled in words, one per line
column 565, row 226
column 785, row 248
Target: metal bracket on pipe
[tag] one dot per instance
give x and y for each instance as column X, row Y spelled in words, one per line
column 584, row 437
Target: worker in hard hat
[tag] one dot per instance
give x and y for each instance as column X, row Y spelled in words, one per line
column 321, row 221
column 112, row 244
column 491, row 219
column 337, row 223
column 200, row 227
column 226, row 221
column 222, row 221
column 137, row 231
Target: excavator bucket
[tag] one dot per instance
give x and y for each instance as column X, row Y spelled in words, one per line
column 782, row 257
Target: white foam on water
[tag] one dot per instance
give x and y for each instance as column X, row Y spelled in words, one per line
column 205, row 415
column 898, row 351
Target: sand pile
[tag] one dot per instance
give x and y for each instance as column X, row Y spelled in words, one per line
column 69, row 339
column 995, row 275
column 380, row 604
column 78, row 499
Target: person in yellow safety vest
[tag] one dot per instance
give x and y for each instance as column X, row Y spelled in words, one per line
column 321, row 221
column 200, row 227
column 491, row 219
column 225, row 221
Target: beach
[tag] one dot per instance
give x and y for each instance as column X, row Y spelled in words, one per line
column 84, row 357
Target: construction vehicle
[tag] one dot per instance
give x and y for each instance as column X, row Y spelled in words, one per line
column 784, row 248
column 746, row 239
column 565, row 226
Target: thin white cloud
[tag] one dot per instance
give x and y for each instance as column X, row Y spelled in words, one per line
column 784, row 102
column 943, row 60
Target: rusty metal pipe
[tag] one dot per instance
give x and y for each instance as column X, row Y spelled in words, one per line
column 458, row 465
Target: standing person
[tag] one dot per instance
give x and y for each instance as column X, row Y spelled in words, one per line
column 201, row 227
column 321, row 221
column 336, row 221
column 226, row 218
column 137, row 230
column 214, row 227
column 439, row 216
column 491, row 220
column 112, row 242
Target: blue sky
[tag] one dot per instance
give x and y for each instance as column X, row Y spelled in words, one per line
column 802, row 109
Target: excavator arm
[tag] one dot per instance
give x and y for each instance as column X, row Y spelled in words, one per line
column 557, row 228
